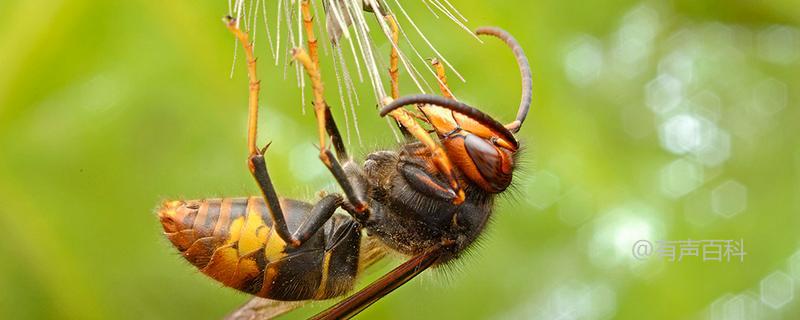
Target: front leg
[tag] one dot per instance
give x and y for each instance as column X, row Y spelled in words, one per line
column 425, row 183
column 323, row 210
column 438, row 156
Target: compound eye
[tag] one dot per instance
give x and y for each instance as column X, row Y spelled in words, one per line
column 493, row 164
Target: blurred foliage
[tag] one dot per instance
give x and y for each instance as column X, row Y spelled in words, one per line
column 662, row 120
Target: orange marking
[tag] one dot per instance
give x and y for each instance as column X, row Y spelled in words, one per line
column 269, row 277
column 319, row 101
column 246, row 271
column 463, row 161
column 445, row 120
column 310, row 63
column 441, row 119
column 308, row 23
column 182, row 239
column 223, row 266
column 224, row 216
column 458, row 154
column 170, row 217
column 394, row 57
column 323, row 284
column 442, row 79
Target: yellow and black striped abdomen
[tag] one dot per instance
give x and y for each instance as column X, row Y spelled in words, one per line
column 232, row 240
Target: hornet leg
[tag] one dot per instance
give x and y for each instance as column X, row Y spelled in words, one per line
column 325, row 123
column 257, row 164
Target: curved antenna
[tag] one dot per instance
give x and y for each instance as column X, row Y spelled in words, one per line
column 524, row 70
column 456, row 106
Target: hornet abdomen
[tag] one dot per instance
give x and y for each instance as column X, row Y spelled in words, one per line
column 232, row 241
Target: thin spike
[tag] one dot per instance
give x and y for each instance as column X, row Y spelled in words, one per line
column 369, row 56
column 266, row 28
column 247, row 18
column 254, row 24
column 351, row 93
column 358, row 9
column 458, row 74
column 302, row 94
column 348, row 78
column 243, row 17
column 376, row 74
column 421, row 58
column 299, row 23
column 334, row 8
column 377, row 55
column 444, row 10
column 288, row 8
column 340, row 19
column 287, row 12
column 238, row 9
column 405, row 36
column 278, row 34
column 366, row 52
column 286, row 57
column 235, row 55
column 456, row 10
column 435, row 15
column 341, row 97
column 388, row 33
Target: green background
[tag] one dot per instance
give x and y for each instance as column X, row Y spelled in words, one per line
column 668, row 120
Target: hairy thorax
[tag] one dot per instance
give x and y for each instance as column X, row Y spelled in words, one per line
column 411, row 216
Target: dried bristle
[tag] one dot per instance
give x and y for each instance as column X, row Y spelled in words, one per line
column 346, row 24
